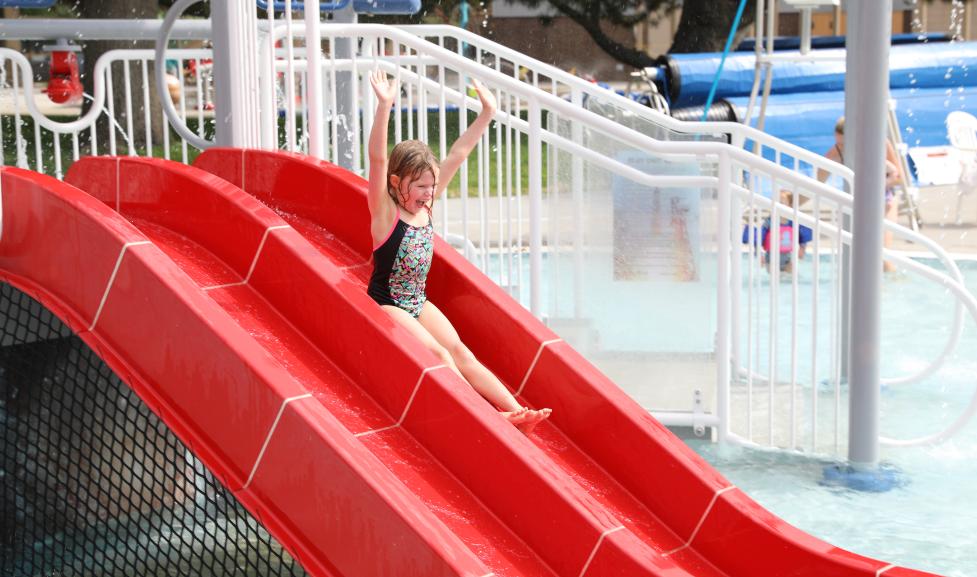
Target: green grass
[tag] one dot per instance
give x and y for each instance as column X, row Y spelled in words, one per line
column 47, row 152
column 493, row 162
column 7, row 125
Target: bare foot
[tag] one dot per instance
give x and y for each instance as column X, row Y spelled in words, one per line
column 515, row 417
column 531, row 418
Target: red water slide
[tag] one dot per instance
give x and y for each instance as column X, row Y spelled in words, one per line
column 242, row 320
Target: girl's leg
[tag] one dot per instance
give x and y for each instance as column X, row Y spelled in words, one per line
column 480, row 378
column 415, row 328
column 514, row 412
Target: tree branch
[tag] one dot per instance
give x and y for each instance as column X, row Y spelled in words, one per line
column 590, row 22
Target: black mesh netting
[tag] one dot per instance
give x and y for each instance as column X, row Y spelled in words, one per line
column 92, row 482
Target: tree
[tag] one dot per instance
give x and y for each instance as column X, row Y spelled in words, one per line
column 93, row 50
column 703, row 27
column 705, row 24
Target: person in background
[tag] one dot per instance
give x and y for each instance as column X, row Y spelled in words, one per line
column 893, row 177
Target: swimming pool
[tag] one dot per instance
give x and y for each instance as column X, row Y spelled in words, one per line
column 930, row 523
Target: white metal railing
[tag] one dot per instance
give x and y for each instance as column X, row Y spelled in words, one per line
column 534, row 205
column 652, row 122
column 46, row 141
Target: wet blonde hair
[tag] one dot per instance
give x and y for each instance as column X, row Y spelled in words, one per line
column 409, row 160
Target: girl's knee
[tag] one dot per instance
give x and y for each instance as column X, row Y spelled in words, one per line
column 443, row 354
column 461, row 354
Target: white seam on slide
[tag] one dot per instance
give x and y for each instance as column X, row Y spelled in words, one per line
column 702, row 520
column 410, row 401
column 883, row 570
column 108, row 287
column 218, row 286
column 532, row 366
column 261, row 245
column 261, row 453
column 593, row 553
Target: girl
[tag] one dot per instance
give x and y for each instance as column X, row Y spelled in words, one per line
column 401, row 193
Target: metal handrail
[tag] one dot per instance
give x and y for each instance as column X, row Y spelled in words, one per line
column 953, row 283
column 98, row 99
column 162, row 39
column 739, row 131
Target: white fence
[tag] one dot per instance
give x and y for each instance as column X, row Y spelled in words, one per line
column 622, row 230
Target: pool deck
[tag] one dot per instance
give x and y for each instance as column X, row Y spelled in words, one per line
column 938, row 211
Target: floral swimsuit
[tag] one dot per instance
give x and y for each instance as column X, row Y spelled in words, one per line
column 400, row 266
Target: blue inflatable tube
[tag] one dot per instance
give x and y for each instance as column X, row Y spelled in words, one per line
column 919, row 66
column 818, row 42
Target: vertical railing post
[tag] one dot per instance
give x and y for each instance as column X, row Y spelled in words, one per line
column 578, row 213
column 267, row 85
column 346, row 105
column 535, row 207
column 724, row 194
column 235, row 63
column 313, row 84
column 736, row 270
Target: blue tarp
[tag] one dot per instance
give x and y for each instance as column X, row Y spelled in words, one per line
column 808, row 119
column 928, row 65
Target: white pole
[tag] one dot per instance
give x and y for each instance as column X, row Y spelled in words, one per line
column 345, row 150
column 535, row 208
column 722, row 307
column 234, row 64
column 867, row 120
column 313, row 83
column 578, row 215
column 267, row 86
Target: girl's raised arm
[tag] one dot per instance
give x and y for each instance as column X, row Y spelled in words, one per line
column 467, row 141
column 385, row 92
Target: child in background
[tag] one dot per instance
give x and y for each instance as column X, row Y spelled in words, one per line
column 401, row 197
column 782, row 240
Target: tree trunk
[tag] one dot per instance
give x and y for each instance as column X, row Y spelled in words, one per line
column 92, row 51
column 705, row 25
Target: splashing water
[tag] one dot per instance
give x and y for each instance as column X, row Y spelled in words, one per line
column 111, row 118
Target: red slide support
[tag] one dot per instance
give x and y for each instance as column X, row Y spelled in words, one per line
column 241, row 319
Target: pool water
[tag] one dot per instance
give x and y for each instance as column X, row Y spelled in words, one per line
column 929, row 523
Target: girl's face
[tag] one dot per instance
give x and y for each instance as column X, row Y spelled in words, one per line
column 839, row 140
column 416, row 194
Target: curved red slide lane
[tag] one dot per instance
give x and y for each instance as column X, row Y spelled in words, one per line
column 663, row 507
column 288, row 459
column 507, row 504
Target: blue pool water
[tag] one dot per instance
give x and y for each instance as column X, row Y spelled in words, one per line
column 930, row 523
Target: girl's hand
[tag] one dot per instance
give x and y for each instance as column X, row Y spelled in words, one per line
column 486, row 96
column 384, row 89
